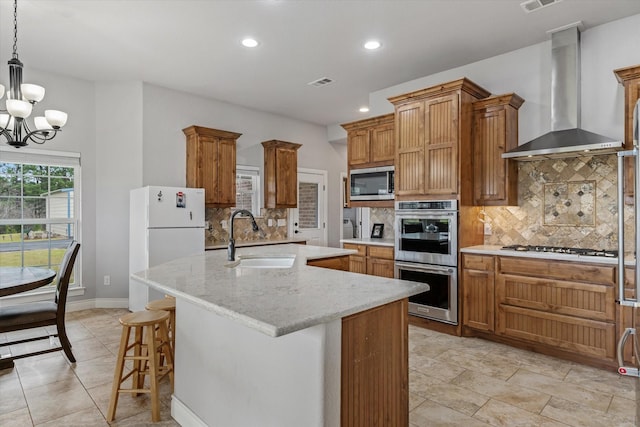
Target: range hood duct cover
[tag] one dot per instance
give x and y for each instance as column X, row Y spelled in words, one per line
column 566, row 138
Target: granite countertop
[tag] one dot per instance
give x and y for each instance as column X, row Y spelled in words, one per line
column 223, row 245
column 497, row 250
column 369, row 241
column 275, row 301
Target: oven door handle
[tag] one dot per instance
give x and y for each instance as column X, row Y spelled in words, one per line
column 424, row 267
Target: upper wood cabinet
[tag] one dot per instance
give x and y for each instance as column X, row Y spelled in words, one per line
column 433, row 141
column 211, row 164
column 280, row 174
column 495, row 131
column 629, row 77
column 370, row 142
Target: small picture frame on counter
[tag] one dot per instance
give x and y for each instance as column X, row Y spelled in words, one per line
column 376, row 231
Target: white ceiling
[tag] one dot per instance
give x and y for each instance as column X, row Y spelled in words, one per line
column 194, row 45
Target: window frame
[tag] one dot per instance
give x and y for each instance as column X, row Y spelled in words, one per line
column 49, row 158
column 256, row 201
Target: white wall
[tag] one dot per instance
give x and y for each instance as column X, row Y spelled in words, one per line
column 527, row 72
column 118, row 170
column 167, row 112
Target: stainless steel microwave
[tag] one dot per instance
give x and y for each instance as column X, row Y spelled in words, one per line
column 372, row 183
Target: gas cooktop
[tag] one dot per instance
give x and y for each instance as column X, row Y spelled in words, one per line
column 563, row 250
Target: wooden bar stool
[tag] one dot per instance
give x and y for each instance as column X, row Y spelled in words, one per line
column 151, row 339
column 168, row 303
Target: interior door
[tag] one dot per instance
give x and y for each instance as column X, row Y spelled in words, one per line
column 308, row 219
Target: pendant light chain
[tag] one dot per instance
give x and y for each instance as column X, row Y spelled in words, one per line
column 15, row 29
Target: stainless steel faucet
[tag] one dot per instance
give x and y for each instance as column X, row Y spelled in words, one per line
column 231, row 249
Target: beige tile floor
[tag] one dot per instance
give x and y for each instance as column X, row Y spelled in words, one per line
column 452, row 381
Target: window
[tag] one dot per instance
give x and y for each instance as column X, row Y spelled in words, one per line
column 39, row 207
column 248, row 189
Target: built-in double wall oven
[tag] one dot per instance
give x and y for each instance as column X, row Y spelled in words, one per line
column 426, row 250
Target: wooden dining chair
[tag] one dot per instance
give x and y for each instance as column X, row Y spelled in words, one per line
column 43, row 313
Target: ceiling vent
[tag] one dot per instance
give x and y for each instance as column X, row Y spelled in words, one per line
column 323, row 81
column 532, row 5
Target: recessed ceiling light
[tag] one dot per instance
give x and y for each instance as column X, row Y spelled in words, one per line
column 249, row 42
column 364, row 109
column 372, row 45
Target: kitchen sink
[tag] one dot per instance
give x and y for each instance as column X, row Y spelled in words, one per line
column 267, row 261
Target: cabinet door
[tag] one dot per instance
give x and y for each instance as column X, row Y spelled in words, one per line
column 208, row 164
column 441, row 145
column 286, row 177
column 409, row 176
column 357, row 264
column 490, row 169
column 358, row 147
column 380, row 267
column 478, row 295
column 226, row 171
column 383, row 147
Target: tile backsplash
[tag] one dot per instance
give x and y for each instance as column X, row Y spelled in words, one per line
column 562, row 202
column 243, row 232
column 384, row 216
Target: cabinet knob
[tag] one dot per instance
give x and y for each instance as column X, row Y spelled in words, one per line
column 296, row 231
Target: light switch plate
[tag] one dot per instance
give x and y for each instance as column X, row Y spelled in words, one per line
column 282, row 222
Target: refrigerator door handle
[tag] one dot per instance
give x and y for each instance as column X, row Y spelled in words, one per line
column 627, row 370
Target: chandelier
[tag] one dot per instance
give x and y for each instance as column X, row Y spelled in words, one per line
column 21, row 97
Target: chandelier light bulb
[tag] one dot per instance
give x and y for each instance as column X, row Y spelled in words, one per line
column 56, row 118
column 6, row 121
column 19, row 108
column 32, row 93
column 41, row 123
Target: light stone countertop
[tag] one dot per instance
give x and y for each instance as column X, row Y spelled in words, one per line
column 275, row 301
column 497, row 250
column 369, row 241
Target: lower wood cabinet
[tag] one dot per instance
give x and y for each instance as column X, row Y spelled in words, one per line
column 371, row 259
column 568, row 307
column 478, row 293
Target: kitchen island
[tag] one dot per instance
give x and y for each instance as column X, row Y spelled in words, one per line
column 285, row 346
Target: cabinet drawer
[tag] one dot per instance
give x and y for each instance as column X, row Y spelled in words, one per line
column 589, row 337
column 586, row 300
column 573, row 271
column 383, row 252
column 362, row 249
column 478, row 262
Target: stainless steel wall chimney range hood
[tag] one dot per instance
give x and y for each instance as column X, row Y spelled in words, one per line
column 566, row 139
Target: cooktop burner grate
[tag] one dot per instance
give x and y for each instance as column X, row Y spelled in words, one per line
column 563, row 250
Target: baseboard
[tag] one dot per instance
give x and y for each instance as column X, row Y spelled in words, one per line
column 87, row 304
column 183, row 415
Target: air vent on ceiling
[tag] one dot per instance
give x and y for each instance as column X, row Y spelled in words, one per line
column 532, row 5
column 323, row 81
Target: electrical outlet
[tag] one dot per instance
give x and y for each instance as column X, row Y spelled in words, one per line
column 270, row 222
column 487, row 229
column 107, row 280
column 207, row 225
column 282, row 222
column 223, row 223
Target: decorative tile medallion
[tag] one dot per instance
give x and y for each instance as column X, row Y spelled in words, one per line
column 570, row 203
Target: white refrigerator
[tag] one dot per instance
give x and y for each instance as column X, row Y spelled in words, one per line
column 165, row 223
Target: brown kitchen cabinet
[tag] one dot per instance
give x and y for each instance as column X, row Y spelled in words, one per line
column 280, row 174
column 433, row 141
column 370, row 143
column 211, row 164
column 495, row 131
column 334, row 263
column 629, row 77
column 371, row 259
column 478, row 292
column 565, row 305
column 562, row 308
